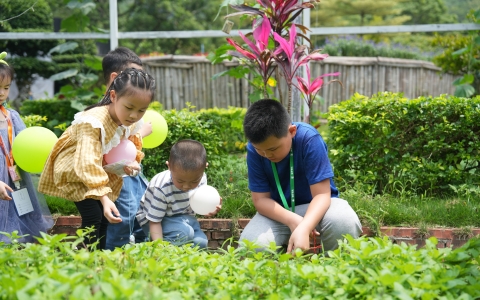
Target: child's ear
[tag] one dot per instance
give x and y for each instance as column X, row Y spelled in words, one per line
column 168, row 166
column 292, row 130
column 113, row 75
column 113, row 96
column 206, row 166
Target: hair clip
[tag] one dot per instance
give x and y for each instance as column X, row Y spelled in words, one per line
column 2, row 56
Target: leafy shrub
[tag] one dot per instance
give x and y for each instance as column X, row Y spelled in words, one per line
column 425, row 144
column 366, row 268
column 228, row 123
column 184, row 124
column 355, row 46
column 56, row 111
column 231, row 181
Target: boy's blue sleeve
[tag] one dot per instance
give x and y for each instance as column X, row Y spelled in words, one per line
column 257, row 177
column 316, row 162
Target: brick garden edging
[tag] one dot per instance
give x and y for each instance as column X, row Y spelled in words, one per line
column 220, row 230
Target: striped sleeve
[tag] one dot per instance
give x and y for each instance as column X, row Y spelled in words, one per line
column 155, row 201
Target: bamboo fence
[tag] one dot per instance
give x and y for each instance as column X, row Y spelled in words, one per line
column 182, row 79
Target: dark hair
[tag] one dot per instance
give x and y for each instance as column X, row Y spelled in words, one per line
column 125, row 83
column 265, row 118
column 188, row 154
column 6, row 71
column 118, row 60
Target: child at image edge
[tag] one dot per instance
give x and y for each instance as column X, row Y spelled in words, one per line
column 133, row 188
column 164, row 209
column 272, row 140
column 38, row 220
column 74, row 169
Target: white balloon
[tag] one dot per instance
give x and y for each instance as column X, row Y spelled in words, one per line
column 204, row 200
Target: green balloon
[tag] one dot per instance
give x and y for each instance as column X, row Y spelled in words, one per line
column 159, row 129
column 31, row 148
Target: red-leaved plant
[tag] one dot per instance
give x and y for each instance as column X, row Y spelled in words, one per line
column 275, row 19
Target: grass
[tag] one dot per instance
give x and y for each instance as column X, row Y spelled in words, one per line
column 460, row 209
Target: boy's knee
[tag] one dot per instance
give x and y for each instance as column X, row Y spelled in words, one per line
column 200, row 242
column 181, row 235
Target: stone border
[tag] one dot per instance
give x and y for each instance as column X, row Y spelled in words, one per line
column 220, row 230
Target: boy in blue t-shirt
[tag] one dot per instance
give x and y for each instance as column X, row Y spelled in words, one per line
column 280, row 152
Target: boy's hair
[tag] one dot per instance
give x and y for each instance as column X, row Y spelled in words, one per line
column 265, row 118
column 125, row 84
column 189, row 155
column 6, row 72
column 118, row 60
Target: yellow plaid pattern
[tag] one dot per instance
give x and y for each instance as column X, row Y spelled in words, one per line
column 74, row 171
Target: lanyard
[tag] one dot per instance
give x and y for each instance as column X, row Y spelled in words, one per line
column 279, row 187
column 8, row 155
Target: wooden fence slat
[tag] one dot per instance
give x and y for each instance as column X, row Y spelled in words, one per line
column 182, row 79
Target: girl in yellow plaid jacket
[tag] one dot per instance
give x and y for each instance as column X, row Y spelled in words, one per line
column 74, row 170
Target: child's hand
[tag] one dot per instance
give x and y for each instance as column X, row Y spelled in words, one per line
column 132, row 169
column 110, row 211
column 146, row 129
column 3, row 191
column 217, row 209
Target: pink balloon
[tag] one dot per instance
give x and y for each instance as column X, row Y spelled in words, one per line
column 126, row 150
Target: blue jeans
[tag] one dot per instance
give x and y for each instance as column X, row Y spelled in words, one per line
column 181, row 230
column 118, row 234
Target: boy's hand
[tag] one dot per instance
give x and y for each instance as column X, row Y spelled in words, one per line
column 3, row 191
column 110, row 211
column 300, row 239
column 217, row 209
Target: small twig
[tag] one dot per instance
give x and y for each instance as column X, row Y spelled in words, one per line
column 30, row 8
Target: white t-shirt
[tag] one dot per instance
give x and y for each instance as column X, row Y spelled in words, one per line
column 162, row 199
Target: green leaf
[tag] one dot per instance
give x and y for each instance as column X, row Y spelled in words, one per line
column 477, row 15
column 62, row 48
column 64, row 75
column 77, row 105
column 75, row 23
column 465, row 79
column 459, row 52
column 94, row 62
column 84, row 7
column 220, row 74
column 464, row 90
column 477, row 40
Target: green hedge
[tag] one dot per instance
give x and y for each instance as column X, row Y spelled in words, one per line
column 214, row 128
column 393, row 143
column 56, row 111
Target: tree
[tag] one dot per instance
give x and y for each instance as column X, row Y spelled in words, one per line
column 22, row 18
column 152, row 15
column 461, row 8
column 364, row 12
column 427, row 12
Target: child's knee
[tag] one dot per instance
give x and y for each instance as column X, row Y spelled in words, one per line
column 181, row 235
column 202, row 243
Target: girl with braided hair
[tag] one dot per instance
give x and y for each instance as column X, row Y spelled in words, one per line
column 74, row 169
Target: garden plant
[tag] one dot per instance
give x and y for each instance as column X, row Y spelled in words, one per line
column 409, row 162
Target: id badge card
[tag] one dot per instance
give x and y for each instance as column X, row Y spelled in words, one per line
column 22, row 200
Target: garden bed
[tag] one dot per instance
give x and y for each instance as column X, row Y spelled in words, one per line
column 220, row 230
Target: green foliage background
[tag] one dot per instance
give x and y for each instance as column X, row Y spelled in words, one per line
column 425, row 144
